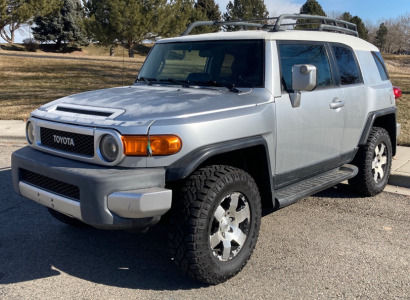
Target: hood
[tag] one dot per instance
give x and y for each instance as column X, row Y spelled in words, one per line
column 141, row 104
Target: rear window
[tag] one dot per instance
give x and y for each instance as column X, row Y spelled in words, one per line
column 380, row 65
column 348, row 69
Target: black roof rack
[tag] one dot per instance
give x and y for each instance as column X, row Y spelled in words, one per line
column 302, row 22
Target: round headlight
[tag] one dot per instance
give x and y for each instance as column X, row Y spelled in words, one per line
column 30, row 132
column 109, row 148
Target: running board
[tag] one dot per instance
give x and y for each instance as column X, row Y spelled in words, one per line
column 294, row 192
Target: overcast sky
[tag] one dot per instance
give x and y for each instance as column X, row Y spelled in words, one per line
column 369, row 10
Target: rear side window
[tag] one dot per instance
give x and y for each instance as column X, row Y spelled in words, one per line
column 312, row 54
column 348, row 69
column 380, row 65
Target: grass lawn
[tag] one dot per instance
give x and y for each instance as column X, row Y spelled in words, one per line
column 28, row 82
column 32, row 79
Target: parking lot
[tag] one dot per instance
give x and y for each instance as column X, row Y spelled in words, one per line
column 331, row 245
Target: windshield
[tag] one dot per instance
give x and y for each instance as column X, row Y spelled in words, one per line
column 206, row 63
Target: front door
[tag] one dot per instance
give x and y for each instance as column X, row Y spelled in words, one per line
column 309, row 137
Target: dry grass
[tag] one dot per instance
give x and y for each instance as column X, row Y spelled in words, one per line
column 399, row 70
column 28, row 82
column 32, row 79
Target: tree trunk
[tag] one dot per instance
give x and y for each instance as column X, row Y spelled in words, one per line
column 58, row 44
column 112, row 51
column 130, row 48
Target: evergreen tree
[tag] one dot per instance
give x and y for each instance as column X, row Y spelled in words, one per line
column 210, row 8
column 65, row 26
column 381, row 37
column 244, row 10
column 361, row 28
column 206, row 10
column 312, row 7
column 98, row 25
column 131, row 22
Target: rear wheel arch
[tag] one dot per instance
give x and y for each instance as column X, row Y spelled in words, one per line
column 384, row 119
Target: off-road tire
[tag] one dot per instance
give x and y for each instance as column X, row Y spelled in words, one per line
column 374, row 162
column 201, row 214
column 66, row 219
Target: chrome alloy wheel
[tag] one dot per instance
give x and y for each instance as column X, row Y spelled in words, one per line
column 230, row 226
column 379, row 162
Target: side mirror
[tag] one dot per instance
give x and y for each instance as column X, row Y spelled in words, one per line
column 304, row 78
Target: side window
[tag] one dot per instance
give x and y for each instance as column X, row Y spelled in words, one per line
column 348, row 68
column 380, row 65
column 295, row 54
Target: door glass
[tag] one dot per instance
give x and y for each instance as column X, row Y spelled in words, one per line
column 296, row 54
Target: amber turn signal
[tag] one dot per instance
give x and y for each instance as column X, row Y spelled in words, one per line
column 157, row 145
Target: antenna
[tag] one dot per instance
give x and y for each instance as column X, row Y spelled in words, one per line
column 123, row 65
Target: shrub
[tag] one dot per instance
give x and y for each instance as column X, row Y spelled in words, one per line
column 31, row 44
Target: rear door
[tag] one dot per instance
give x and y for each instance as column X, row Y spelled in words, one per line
column 354, row 91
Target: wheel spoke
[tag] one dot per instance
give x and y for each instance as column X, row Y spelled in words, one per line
column 227, row 250
column 234, row 202
column 220, row 211
column 376, row 150
column 374, row 163
column 376, row 174
column 215, row 239
column 383, row 160
column 243, row 214
column 382, row 148
column 381, row 172
column 238, row 236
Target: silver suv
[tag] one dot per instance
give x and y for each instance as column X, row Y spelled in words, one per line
column 216, row 127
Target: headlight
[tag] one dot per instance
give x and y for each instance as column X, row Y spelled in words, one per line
column 155, row 145
column 109, row 148
column 30, row 132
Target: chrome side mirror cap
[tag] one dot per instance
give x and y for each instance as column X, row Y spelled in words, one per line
column 304, row 78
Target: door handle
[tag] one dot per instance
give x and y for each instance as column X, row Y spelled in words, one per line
column 336, row 103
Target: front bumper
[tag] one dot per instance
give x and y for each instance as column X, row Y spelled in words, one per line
column 104, row 197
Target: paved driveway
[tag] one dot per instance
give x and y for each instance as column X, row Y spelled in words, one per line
column 332, row 245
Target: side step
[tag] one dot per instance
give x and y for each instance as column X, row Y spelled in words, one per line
column 294, row 192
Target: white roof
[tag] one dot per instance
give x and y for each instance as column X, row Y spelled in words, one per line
column 286, row 35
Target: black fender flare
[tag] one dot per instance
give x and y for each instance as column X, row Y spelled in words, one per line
column 371, row 119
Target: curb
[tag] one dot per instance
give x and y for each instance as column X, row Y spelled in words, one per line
column 400, row 180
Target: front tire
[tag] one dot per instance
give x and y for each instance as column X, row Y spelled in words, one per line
column 374, row 163
column 215, row 223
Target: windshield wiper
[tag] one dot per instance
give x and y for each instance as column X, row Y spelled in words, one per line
column 179, row 82
column 148, row 81
column 230, row 86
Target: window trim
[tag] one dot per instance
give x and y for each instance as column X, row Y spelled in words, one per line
column 381, row 61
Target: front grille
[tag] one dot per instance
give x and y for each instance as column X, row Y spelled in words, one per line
column 67, row 141
column 50, row 184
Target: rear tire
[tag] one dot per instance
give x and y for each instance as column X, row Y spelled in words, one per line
column 66, row 219
column 374, row 163
column 215, row 223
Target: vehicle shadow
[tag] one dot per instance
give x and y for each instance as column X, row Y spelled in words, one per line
column 33, row 245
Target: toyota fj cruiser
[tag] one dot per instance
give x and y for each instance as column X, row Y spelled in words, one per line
column 215, row 127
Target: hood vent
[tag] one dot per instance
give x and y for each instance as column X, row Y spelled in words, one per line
column 84, row 111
